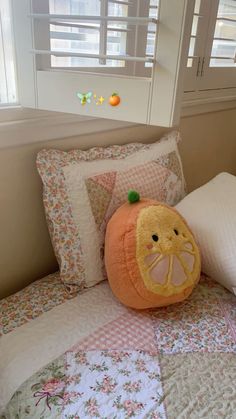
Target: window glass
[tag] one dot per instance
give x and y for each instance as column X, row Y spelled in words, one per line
column 100, row 37
column 194, row 34
column 8, row 90
column 223, row 52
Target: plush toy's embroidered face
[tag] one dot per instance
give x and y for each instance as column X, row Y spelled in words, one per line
column 166, row 252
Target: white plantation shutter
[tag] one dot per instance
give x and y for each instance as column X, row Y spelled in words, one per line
column 196, row 45
column 220, row 55
column 212, row 51
column 223, row 49
column 74, row 55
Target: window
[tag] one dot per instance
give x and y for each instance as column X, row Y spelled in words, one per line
column 75, row 55
column 212, row 52
column 223, row 51
column 90, row 38
column 8, row 93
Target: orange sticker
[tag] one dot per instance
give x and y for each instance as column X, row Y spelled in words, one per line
column 114, row 99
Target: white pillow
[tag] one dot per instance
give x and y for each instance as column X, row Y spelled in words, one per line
column 211, row 214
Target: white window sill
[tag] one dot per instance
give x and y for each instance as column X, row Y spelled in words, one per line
column 195, row 103
column 19, row 126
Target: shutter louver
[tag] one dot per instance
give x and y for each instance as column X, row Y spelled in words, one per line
column 81, row 53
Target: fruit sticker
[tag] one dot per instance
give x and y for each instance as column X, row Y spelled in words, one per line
column 114, row 99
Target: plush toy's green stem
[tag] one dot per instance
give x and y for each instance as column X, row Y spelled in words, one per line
column 133, row 196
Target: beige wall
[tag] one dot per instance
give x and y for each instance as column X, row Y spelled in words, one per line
column 208, row 147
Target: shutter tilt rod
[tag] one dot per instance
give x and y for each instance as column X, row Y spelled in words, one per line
column 98, row 56
column 129, row 19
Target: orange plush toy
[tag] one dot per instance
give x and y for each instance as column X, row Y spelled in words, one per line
column 151, row 256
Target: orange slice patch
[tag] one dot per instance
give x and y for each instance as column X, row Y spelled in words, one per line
column 160, row 271
column 149, row 259
column 170, row 263
column 178, row 275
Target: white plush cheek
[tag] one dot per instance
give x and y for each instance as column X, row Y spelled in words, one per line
column 159, row 273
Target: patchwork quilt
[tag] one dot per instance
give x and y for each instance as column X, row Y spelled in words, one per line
column 90, row 357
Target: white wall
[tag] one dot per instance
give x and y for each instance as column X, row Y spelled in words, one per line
column 208, row 147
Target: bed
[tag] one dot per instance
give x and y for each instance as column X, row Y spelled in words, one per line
column 91, row 357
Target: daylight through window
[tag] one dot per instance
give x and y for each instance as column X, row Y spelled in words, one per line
column 8, row 91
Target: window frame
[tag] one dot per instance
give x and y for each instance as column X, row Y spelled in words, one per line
column 13, row 115
column 7, row 49
column 216, row 77
column 129, row 69
column 219, row 82
column 155, row 103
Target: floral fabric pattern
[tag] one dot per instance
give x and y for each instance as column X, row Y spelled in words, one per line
column 107, row 385
column 104, row 194
column 147, row 365
column 108, row 191
column 39, row 297
column 198, row 324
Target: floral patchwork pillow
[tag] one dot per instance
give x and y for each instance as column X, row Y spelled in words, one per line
column 82, row 189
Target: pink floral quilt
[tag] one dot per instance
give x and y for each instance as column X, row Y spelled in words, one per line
column 90, row 357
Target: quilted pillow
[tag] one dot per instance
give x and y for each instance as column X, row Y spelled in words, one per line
column 82, row 189
column 211, row 213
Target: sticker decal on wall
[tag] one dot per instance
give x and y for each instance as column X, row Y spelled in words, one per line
column 114, row 99
column 100, row 100
column 84, row 97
